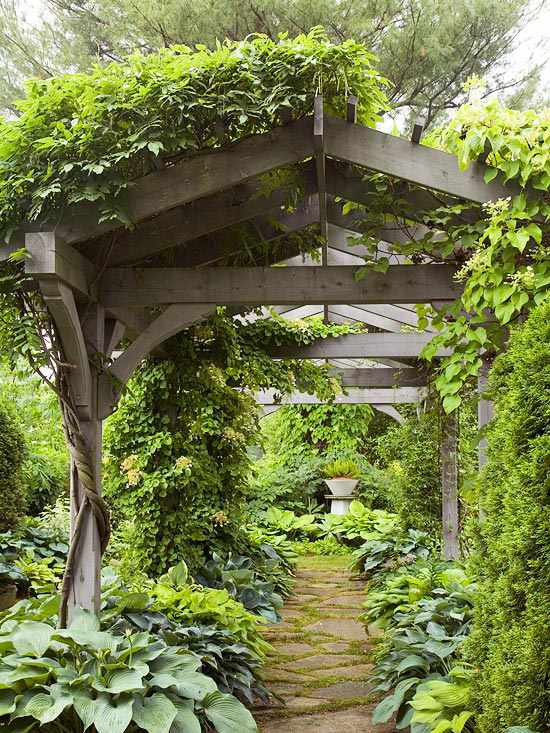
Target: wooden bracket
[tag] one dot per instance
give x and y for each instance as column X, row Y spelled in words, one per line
column 418, row 129
column 173, row 320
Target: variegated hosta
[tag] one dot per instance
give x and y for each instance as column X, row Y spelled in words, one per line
column 81, row 678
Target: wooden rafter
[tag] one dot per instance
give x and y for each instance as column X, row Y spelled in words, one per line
column 360, row 346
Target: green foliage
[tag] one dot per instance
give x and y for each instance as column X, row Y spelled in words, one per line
column 341, row 468
column 76, row 677
column 359, row 523
column 421, row 46
column 283, row 521
column 84, row 137
column 322, row 546
column 384, row 551
column 411, row 453
column 422, row 642
column 45, row 469
column 177, row 462
column 441, row 705
column 12, row 455
column 512, row 622
column 237, row 576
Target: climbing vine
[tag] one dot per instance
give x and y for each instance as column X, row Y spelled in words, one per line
column 177, row 463
column 501, row 249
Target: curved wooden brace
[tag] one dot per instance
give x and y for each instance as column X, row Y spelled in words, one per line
column 391, row 411
column 61, row 305
column 173, row 320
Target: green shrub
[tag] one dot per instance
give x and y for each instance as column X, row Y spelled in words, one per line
column 512, row 623
column 12, row 455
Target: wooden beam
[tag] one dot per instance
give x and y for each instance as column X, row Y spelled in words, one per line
column 354, row 396
column 380, row 377
column 397, row 157
column 351, row 110
column 196, row 176
column 418, row 129
column 207, row 215
column 360, row 346
column 485, row 409
column 276, row 285
column 50, row 257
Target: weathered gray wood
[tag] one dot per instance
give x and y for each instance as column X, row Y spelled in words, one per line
column 360, row 346
column 114, row 332
column 275, row 285
column 50, row 257
column 418, row 129
column 205, row 216
column 173, row 320
column 62, row 307
column 353, row 396
column 397, row 157
column 391, row 411
column 351, row 110
column 394, row 313
column 449, row 487
column 380, row 377
column 86, row 587
column 354, row 221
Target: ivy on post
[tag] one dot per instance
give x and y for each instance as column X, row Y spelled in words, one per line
column 449, row 486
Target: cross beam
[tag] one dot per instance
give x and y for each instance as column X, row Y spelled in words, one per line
column 360, row 346
column 354, row 396
column 276, row 285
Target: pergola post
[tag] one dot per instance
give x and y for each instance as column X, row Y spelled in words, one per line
column 86, row 577
column 449, row 487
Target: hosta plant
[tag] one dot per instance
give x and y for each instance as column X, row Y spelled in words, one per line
column 76, row 678
column 388, row 552
column 293, row 526
column 424, row 642
column 359, row 523
column 441, row 705
column 238, row 578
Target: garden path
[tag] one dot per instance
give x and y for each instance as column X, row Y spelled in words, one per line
column 321, row 656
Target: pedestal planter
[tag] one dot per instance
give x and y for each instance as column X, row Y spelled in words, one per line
column 341, row 494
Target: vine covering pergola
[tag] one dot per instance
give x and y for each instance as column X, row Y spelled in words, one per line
column 207, row 228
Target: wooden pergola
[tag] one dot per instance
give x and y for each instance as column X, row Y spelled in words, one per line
column 103, row 283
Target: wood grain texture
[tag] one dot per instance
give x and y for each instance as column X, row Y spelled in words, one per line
column 276, row 285
column 360, row 346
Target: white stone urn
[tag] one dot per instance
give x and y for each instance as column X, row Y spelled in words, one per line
column 342, row 486
column 341, row 493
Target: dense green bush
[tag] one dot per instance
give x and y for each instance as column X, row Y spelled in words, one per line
column 512, row 622
column 12, row 455
column 411, row 453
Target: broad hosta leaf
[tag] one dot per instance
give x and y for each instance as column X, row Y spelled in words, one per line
column 385, row 709
column 87, row 637
column 112, row 716
column 7, row 702
column 123, row 680
column 83, row 620
column 228, row 714
column 154, row 714
column 185, row 721
column 85, row 707
column 44, row 707
column 411, row 661
column 32, row 638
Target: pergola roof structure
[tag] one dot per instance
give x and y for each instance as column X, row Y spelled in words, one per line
column 184, row 256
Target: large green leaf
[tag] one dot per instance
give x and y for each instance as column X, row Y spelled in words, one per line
column 85, row 707
column 185, row 721
column 228, row 714
column 154, row 714
column 188, row 684
column 95, row 640
column 385, row 709
column 83, row 620
column 112, row 716
column 45, row 707
column 123, row 680
column 7, row 702
column 32, row 638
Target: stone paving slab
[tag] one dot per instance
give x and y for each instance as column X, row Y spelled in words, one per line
column 353, row 720
column 355, row 672
column 339, row 628
column 320, row 661
column 341, row 691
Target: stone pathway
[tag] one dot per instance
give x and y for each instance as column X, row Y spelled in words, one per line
column 321, row 656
